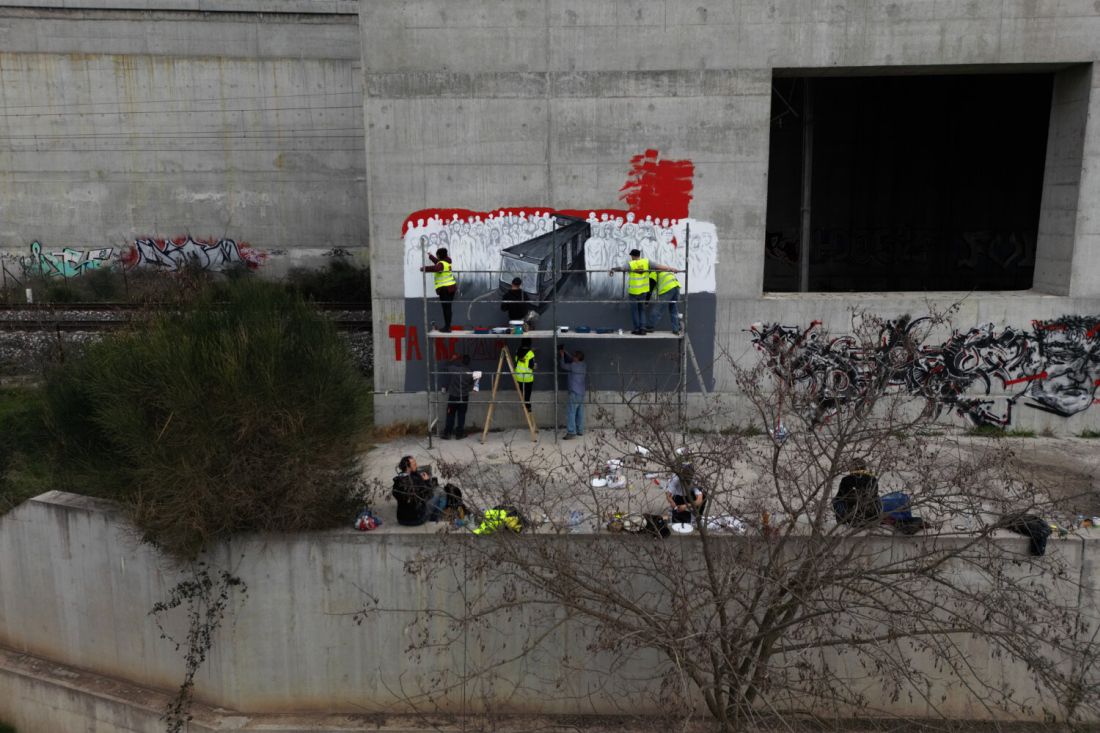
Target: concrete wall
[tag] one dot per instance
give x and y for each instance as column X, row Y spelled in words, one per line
column 76, row 588
column 237, row 120
column 479, row 107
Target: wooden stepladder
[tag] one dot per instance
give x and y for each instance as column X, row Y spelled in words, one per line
column 506, row 358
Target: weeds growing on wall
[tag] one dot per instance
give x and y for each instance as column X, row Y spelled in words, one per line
column 206, row 598
column 240, row 413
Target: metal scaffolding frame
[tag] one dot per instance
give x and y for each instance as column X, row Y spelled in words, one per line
column 683, row 342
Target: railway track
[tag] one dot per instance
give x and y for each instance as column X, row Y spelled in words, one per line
column 26, row 326
column 31, row 317
column 124, row 306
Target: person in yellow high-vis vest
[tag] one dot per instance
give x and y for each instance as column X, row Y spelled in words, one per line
column 637, row 288
column 525, row 370
column 668, row 291
column 446, row 286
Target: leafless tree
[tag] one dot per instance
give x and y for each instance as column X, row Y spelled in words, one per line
column 770, row 610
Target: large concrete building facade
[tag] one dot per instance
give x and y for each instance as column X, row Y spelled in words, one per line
column 930, row 153
column 798, row 159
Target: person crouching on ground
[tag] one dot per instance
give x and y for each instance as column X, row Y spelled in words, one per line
column 577, row 374
column 518, row 306
column 417, row 501
column 677, row 492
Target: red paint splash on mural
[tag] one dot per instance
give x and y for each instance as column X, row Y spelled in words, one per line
column 1029, row 378
column 660, row 189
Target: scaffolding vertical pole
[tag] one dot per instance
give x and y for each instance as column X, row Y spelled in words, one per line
column 555, row 269
column 427, row 342
column 684, row 324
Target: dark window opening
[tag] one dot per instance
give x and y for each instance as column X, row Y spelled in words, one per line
column 918, row 182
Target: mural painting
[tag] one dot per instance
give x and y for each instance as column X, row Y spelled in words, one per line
column 981, row 374
column 583, row 244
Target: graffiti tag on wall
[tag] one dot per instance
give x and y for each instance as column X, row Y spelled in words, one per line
column 64, row 263
column 164, row 254
column 1054, row 366
column 205, row 254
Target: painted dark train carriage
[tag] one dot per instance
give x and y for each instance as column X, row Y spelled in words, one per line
column 537, row 260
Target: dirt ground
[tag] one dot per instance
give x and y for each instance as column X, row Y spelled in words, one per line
column 488, row 474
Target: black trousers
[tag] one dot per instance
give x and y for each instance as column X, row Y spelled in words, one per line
column 527, row 386
column 446, row 295
column 456, row 417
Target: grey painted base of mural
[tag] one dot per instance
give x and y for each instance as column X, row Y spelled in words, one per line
column 634, row 364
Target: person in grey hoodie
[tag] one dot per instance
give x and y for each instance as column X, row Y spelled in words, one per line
column 458, row 397
column 576, row 376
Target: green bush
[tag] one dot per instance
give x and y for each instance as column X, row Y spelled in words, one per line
column 241, row 413
column 24, row 450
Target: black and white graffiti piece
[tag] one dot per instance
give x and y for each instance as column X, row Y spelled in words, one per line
column 1053, row 366
column 173, row 254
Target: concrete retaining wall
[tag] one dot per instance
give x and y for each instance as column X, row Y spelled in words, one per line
column 238, row 120
column 76, row 588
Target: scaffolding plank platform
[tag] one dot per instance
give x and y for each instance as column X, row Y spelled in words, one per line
column 666, row 335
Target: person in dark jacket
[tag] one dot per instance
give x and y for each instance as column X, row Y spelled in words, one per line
column 517, row 305
column 416, row 499
column 577, row 374
column 459, row 386
column 857, row 500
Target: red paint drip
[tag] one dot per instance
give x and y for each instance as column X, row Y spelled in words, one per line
column 658, row 188
column 1030, row 378
column 469, row 215
column 1040, row 326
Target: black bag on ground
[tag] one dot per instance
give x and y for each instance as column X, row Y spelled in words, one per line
column 454, row 496
column 1029, row 525
column 655, row 525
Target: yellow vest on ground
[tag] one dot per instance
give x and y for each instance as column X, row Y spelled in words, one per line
column 638, row 284
column 523, row 367
column 666, row 281
column 445, row 278
column 496, row 519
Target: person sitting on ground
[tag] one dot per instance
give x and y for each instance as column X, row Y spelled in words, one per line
column 414, row 490
column 857, row 500
column 678, row 489
column 517, row 305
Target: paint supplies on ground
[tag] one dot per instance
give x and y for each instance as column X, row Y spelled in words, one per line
column 367, row 520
